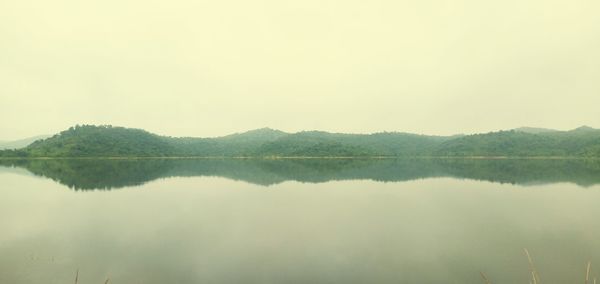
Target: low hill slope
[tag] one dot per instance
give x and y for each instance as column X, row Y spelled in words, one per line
column 108, row 141
column 101, row 141
column 318, row 143
column 576, row 142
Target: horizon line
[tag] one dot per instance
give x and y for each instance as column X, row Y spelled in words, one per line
column 301, row 131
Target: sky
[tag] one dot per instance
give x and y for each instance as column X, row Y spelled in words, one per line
column 210, row 68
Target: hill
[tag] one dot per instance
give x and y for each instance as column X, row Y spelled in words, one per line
column 574, row 143
column 100, row 141
column 318, row 143
column 109, row 141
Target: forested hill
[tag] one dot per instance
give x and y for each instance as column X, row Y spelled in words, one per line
column 109, row 141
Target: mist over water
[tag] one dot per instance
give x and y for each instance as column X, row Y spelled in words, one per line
column 316, row 221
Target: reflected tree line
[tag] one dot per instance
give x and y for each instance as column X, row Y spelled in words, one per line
column 90, row 174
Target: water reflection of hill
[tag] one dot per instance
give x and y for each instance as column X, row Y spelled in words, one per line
column 83, row 174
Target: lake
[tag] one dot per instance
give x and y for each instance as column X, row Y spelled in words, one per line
column 298, row 220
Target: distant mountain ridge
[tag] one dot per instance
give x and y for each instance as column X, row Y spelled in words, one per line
column 21, row 143
column 109, row 141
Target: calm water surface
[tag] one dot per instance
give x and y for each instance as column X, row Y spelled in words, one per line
column 222, row 221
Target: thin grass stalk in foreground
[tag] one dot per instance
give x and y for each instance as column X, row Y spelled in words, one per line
column 587, row 272
column 77, row 276
column 535, row 277
column 485, row 279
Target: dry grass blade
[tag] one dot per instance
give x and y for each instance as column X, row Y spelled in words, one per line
column 485, row 279
column 587, row 272
column 535, row 277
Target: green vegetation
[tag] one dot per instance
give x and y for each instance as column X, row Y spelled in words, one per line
column 101, row 141
column 580, row 142
column 109, row 141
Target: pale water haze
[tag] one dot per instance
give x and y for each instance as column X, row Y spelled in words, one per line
column 209, row 68
column 297, row 221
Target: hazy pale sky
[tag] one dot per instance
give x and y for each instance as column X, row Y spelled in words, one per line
column 208, row 68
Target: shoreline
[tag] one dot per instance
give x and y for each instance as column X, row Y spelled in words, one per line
column 308, row 157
